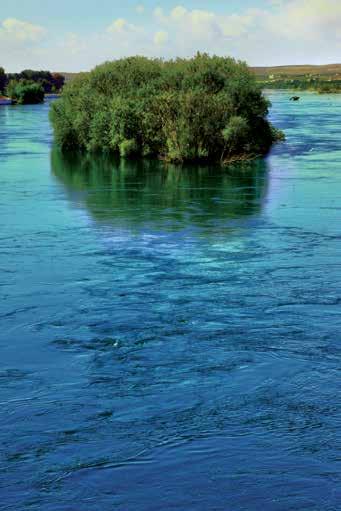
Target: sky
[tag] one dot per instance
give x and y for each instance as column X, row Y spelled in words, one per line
column 76, row 35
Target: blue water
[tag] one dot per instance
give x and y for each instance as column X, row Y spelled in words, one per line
column 170, row 337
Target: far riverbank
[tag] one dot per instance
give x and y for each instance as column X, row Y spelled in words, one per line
column 5, row 101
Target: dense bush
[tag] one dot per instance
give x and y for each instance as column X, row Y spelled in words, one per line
column 329, row 87
column 25, row 92
column 51, row 82
column 2, row 80
column 203, row 108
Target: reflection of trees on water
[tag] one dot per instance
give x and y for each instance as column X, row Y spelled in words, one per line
column 145, row 191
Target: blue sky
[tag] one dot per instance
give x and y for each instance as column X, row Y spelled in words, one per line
column 73, row 35
column 89, row 13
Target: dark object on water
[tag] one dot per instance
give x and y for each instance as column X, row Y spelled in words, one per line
column 5, row 101
column 294, row 98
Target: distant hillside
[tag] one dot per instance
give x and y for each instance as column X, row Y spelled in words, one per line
column 322, row 79
column 328, row 71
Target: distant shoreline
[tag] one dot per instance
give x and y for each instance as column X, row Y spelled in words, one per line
column 4, row 100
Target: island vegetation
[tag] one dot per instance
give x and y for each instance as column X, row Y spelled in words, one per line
column 204, row 108
column 25, row 92
column 3, row 80
column 29, row 86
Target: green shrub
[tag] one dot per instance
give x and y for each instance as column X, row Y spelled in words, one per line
column 128, row 148
column 25, row 92
column 51, row 82
column 3, row 80
column 205, row 108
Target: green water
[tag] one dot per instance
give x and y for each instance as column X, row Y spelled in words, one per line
column 170, row 336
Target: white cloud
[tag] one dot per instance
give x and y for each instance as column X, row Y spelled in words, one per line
column 285, row 31
column 305, row 19
column 13, row 29
column 140, row 9
column 179, row 13
column 21, row 44
column 74, row 44
column 124, row 39
column 118, row 26
column 200, row 29
column 159, row 15
column 160, row 38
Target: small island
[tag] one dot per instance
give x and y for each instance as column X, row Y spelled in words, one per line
column 28, row 87
column 204, row 108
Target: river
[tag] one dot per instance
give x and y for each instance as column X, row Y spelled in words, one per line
column 170, row 336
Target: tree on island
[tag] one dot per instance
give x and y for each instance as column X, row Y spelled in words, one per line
column 57, row 81
column 3, row 80
column 51, row 82
column 25, row 92
column 204, row 108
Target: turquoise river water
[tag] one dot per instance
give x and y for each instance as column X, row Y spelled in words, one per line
column 170, row 337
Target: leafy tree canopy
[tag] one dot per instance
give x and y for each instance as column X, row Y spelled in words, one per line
column 2, row 80
column 51, row 82
column 207, row 108
column 25, row 92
